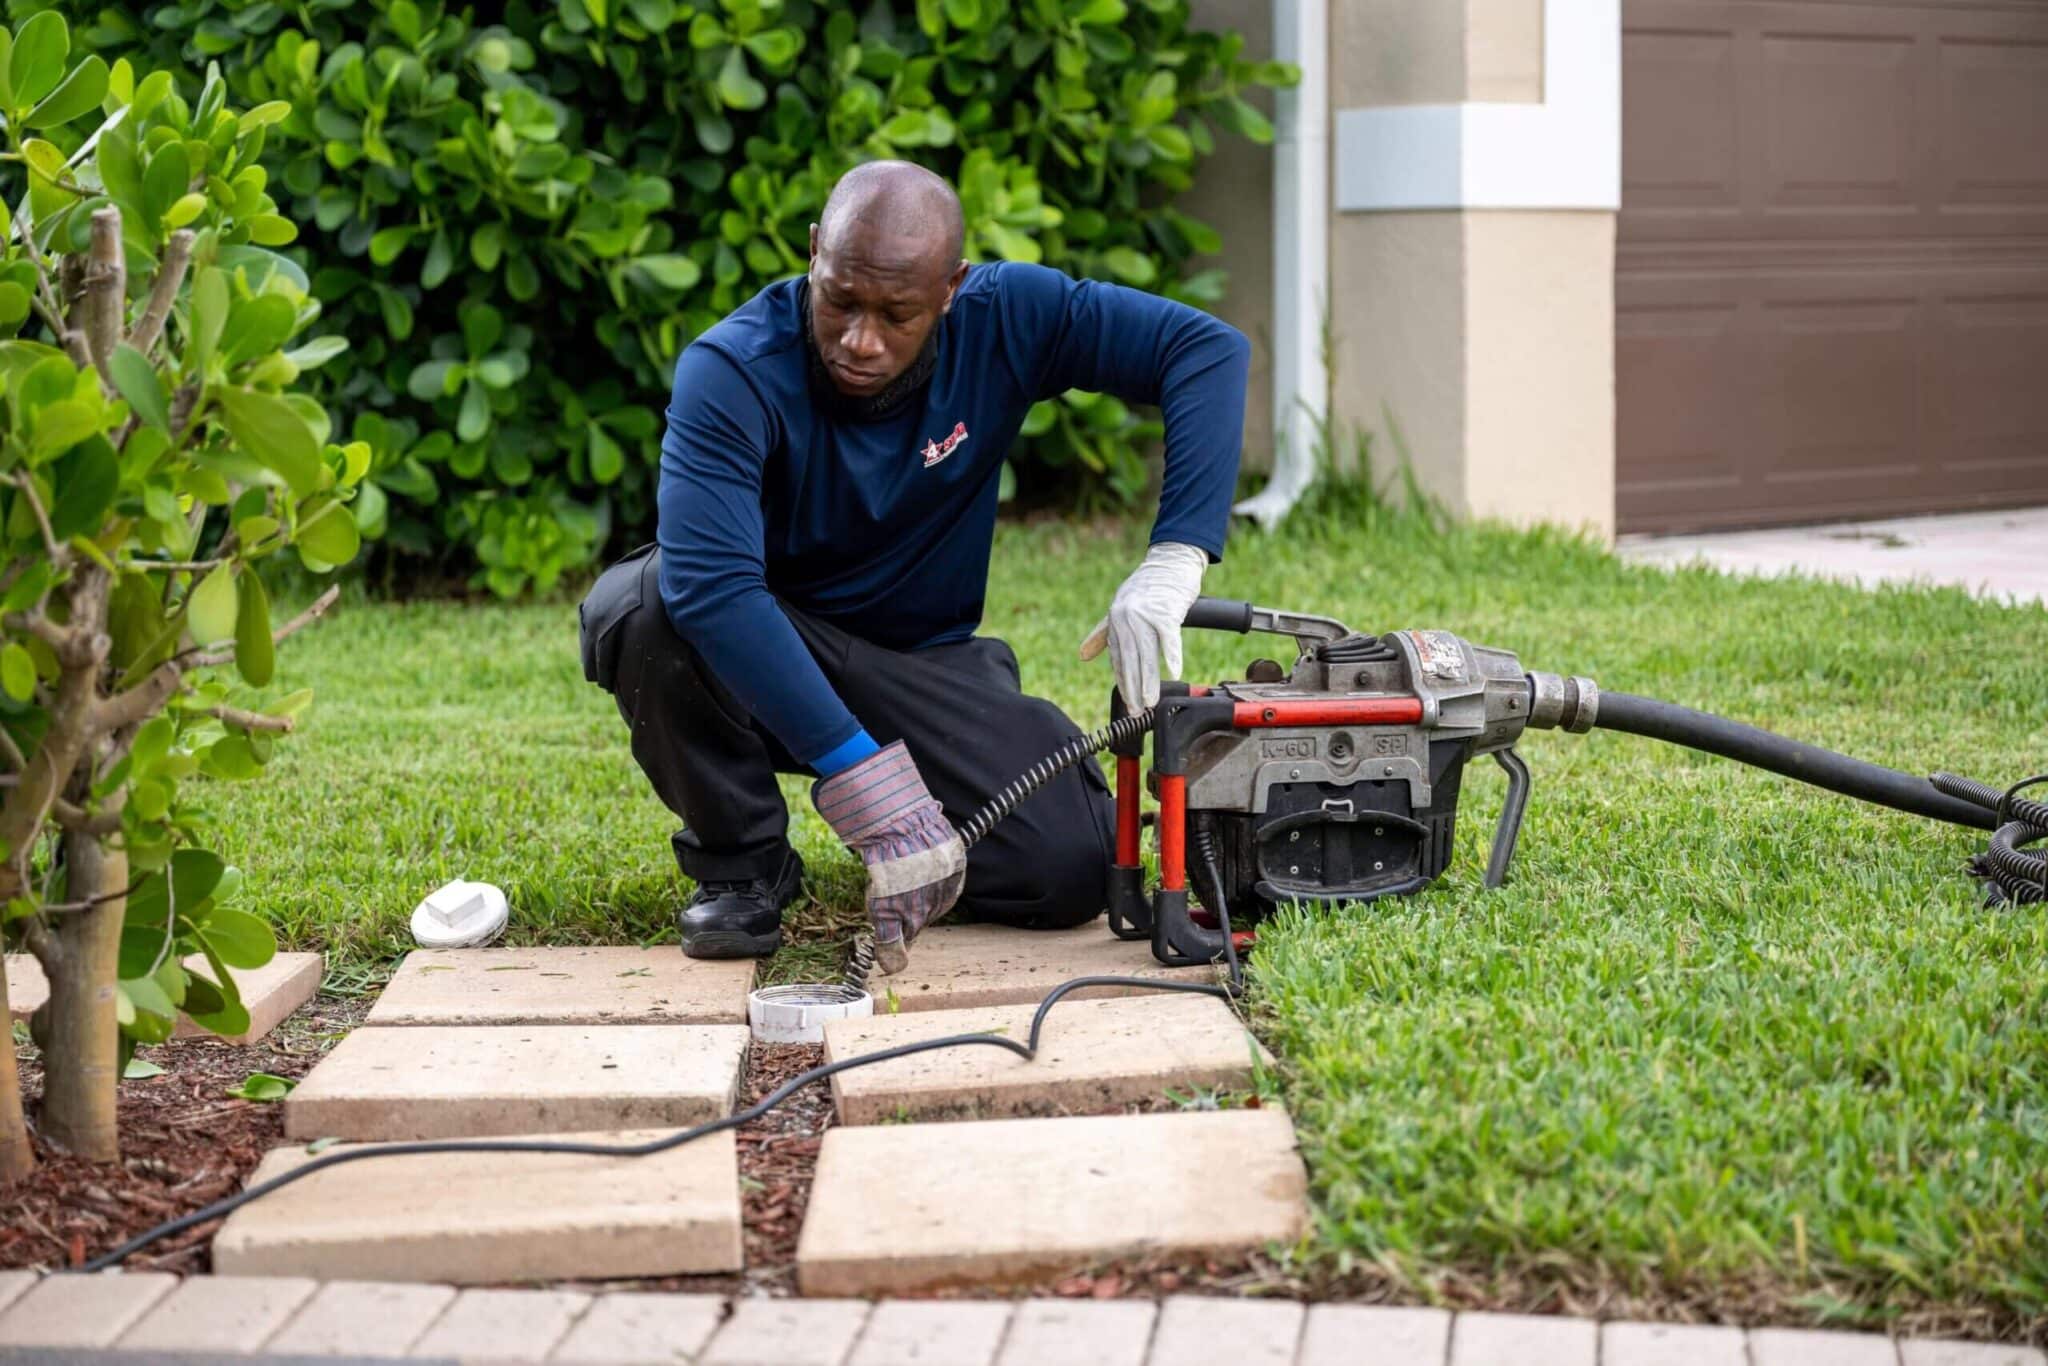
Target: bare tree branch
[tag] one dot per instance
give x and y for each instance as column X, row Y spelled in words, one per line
column 298, row 623
column 58, row 638
column 61, row 907
column 27, row 484
column 11, row 751
column 170, row 277
column 85, row 822
column 70, row 281
column 251, row 720
column 139, row 703
column 146, row 565
column 106, row 290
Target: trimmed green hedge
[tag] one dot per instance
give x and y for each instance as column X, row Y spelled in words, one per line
column 519, row 223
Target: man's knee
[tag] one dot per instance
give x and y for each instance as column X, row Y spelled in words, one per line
column 1054, row 877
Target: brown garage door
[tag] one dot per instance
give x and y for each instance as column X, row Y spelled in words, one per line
column 1832, row 279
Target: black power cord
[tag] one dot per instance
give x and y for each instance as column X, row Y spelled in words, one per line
column 1027, row 1051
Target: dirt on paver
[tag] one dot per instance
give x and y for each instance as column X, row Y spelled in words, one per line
column 184, row 1143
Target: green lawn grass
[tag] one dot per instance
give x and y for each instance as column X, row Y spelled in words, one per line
column 1721, row 1039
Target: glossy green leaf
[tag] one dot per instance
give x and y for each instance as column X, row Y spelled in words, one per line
column 17, row 671
column 86, row 481
column 167, row 179
column 736, row 86
column 255, row 654
column 270, row 430
column 258, row 326
column 210, row 610
column 209, row 313
column 242, row 940
column 80, row 94
column 474, row 419
column 329, row 532
column 669, row 272
column 137, row 381
column 263, row 1086
column 37, row 62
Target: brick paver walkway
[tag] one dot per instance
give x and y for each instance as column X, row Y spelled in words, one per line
column 229, row 1320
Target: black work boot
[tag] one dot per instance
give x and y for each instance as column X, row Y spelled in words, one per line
column 741, row 918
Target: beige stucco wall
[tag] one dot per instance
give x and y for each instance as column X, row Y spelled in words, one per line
column 1233, row 193
column 1539, row 367
column 1477, row 345
column 1397, row 326
column 1504, row 51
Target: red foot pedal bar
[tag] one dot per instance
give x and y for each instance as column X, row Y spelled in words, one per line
column 1126, row 812
column 1344, row 711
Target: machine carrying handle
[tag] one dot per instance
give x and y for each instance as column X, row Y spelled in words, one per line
column 1220, row 614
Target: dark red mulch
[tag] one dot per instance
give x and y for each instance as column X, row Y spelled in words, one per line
column 184, row 1143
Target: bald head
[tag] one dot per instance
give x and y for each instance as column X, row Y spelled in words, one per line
column 885, row 261
column 895, row 211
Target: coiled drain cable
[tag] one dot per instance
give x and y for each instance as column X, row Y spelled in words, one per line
column 2009, row 872
column 1027, row 1050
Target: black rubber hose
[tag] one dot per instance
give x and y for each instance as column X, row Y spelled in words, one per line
column 1673, row 724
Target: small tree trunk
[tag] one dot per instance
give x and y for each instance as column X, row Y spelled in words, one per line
column 82, row 1063
column 17, row 1158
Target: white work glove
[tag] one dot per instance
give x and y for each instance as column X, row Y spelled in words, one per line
column 1143, row 625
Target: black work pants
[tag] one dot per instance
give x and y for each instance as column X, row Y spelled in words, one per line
column 958, row 708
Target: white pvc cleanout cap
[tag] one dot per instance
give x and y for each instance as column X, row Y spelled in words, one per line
column 460, row 915
column 797, row 1013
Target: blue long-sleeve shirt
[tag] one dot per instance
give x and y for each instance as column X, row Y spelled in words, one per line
column 884, row 527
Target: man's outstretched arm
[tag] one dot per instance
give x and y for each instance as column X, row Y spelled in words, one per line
column 1102, row 337
column 713, row 578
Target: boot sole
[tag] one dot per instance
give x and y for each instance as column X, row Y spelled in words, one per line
column 732, row 944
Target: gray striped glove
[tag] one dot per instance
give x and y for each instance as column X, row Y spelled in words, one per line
column 916, row 863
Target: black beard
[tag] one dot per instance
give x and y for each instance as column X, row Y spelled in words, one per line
column 886, row 402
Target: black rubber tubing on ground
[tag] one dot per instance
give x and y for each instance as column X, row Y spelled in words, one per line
column 1673, row 724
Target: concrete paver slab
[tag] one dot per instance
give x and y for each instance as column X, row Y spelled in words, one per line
column 362, row 1318
column 956, row 967
column 455, row 1081
column 1078, row 1333
column 497, row 1217
column 1671, row 1344
column 651, row 1328
column 1353, row 1334
column 1803, row 1347
column 564, row 986
column 270, row 992
column 932, row 1333
column 15, row 1284
column 1932, row 1352
column 1523, row 1340
column 218, row 1314
column 502, row 1325
column 1095, row 1057
column 906, row 1207
column 82, row 1311
column 1200, row 1330
column 763, row 1332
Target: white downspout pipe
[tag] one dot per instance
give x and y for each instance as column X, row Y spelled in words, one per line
column 1301, row 257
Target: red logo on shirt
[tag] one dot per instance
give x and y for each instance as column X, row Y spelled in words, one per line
column 935, row 451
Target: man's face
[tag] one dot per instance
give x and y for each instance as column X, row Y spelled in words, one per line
column 873, row 303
